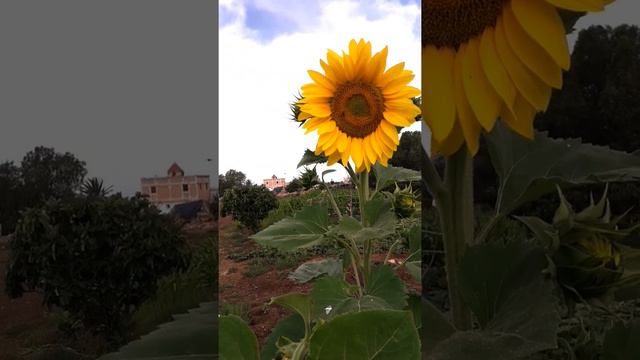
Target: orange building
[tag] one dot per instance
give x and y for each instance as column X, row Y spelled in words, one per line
column 274, row 182
column 175, row 188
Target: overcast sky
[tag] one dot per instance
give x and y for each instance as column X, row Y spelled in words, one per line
column 266, row 48
column 127, row 86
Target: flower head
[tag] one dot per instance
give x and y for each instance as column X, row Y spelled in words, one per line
column 357, row 107
column 484, row 59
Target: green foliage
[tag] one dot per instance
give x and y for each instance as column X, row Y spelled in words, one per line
column 370, row 334
column 309, row 177
column 181, row 291
column 94, row 187
column 409, row 151
column 188, row 336
column 237, row 342
column 232, row 179
column 512, row 300
column 249, row 204
column 294, row 185
column 43, row 174
column 240, row 310
column 310, row 158
column 312, row 270
column 306, row 228
column 526, row 173
column 97, row 259
column 621, row 342
column 289, row 205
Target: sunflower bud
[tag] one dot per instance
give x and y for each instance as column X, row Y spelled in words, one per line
column 404, row 202
column 588, row 259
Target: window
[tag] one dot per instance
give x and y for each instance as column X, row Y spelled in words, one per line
column 185, row 187
column 153, row 189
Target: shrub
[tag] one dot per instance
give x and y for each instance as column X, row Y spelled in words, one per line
column 249, row 204
column 97, row 259
column 294, row 185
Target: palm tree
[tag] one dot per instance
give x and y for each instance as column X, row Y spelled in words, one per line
column 94, row 187
column 309, row 177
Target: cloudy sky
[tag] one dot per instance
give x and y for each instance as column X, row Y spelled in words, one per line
column 127, row 86
column 266, row 48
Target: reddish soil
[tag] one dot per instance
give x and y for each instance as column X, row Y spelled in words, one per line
column 236, row 288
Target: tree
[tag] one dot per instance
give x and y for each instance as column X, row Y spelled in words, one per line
column 309, row 177
column 294, row 185
column 409, row 151
column 94, row 187
column 97, row 258
column 48, row 174
column 10, row 199
column 231, row 179
column 248, row 204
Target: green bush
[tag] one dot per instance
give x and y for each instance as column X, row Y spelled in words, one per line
column 248, row 204
column 97, row 259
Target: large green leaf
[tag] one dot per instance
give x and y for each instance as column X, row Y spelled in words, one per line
column 306, row 228
column 310, row 158
column 379, row 218
column 237, row 341
column 389, row 175
column 544, row 232
column 385, row 284
column 367, row 335
column 312, row 270
column 466, row 345
column 291, row 327
column 621, row 342
column 437, row 328
column 333, row 296
column 188, row 336
column 529, row 169
column 505, row 287
column 300, row 303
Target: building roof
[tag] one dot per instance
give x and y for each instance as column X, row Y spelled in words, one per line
column 175, row 169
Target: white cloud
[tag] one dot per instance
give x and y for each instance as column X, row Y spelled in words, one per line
column 258, row 80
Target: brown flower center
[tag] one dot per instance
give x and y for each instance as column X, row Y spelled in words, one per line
column 357, row 108
column 449, row 23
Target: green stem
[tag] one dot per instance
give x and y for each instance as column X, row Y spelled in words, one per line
column 456, row 218
column 396, row 243
column 363, row 194
column 332, row 200
column 486, row 229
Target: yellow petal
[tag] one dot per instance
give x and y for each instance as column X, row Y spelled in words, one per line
column 543, row 23
column 484, row 101
column 390, row 131
column 333, row 158
column 315, row 90
column 321, row 80
column 356, row 151
column 530, row 53
column 342, row 141
column 326, row 127
column 346, row 153
column 335, row 63
column 452, row 144
column 468, row 123
column 578, row 5
column 520, row 119
column 390, row 74
column 397, row 119
column 533, row 89
column 438, row 107
column 494, row 69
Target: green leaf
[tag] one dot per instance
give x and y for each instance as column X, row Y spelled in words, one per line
column 544, row 232
column 379, row 214
column 621, row 342
column 333, row 296
column 300, row 303
column 529, row 169
column 310, row 158
column 569, row 19
column 414, row 268
column 306, row 228
column 415, row 306
column 437, row 328
column 386, row 285
column 367, row 335
column 312, row 270
column 291, row 327
column 466, row 345
column 237, row 342
column 386, row 176
column 191, row 335
column 505, row 287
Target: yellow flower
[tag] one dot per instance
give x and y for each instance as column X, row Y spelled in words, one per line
column 484, row 59
column 356, row 106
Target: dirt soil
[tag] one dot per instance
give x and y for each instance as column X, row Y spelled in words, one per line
column 236, row 288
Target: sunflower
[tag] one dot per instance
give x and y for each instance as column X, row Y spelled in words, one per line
column 484, row 59
column 357, row 107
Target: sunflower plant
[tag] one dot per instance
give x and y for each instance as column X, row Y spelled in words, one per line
column 356, row 307
column 488, row 66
